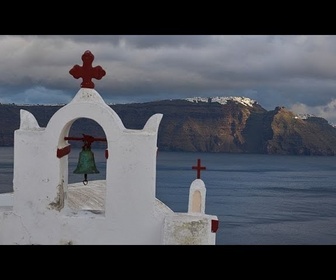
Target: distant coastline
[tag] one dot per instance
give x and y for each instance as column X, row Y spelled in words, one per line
column 214, row 124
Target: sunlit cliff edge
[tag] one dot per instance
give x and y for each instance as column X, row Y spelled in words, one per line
column 215, row 124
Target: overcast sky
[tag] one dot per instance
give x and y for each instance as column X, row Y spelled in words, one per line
column 298, row 72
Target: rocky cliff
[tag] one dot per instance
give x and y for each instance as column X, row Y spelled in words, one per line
column 221, row 124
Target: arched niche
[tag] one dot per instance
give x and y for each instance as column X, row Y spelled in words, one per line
column 99, row 147
column 196, row 205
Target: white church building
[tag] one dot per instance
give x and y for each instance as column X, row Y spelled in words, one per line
column 44, row 209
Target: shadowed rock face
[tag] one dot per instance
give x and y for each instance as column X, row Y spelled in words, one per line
column 201, row 127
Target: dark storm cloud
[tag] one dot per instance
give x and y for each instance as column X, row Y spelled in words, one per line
column 298, row 72
column 141, row 41
column 167, row 41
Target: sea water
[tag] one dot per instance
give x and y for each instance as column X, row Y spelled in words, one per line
column 258, row 199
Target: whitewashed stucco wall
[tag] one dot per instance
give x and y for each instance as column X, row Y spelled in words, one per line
column 132, row 214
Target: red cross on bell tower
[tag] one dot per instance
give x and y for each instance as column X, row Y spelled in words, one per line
column 87, row 72
column 199, row 168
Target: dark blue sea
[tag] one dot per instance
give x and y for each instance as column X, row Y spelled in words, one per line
column 259, row 199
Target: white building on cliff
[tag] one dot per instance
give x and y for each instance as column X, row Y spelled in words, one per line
column 122, row 209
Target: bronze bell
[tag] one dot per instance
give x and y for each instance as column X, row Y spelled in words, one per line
column 86, row 163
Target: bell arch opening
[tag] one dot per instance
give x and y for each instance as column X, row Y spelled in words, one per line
column 85, row 170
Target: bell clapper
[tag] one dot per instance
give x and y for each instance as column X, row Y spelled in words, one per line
column 85, row 181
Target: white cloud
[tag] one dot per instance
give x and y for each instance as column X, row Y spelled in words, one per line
column 327, row 111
